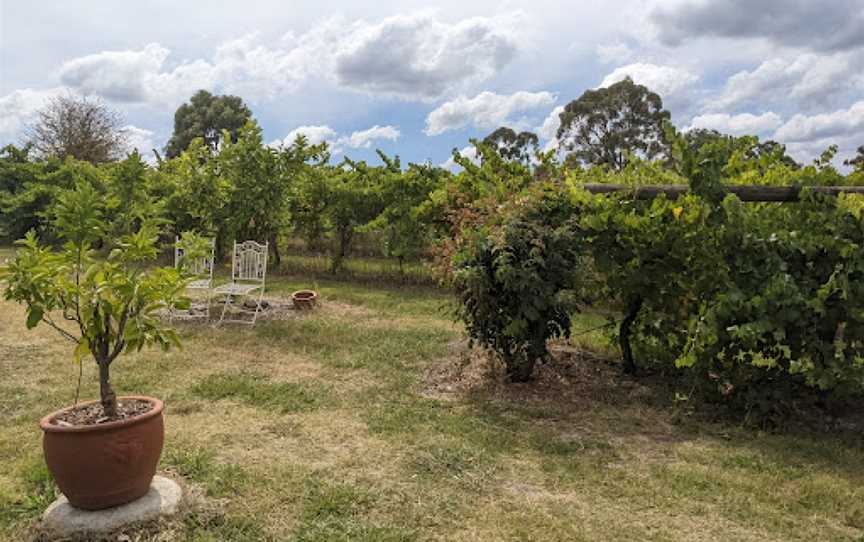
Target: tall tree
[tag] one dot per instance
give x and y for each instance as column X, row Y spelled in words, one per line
column 80, row 127
column 608, row 125
column 520, row 147
column 207, row 116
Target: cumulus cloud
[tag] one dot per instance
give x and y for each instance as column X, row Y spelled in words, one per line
column 314, row 135
column 807, row 136
column 664, row 80
column 240, row 65
column 742, row 124
column 142, row 140
column 811, row 80
column 361, row 139
column 549, row 128
column 365, row 138
column 18, row 109
column 815, row 25
column 248, row 66
column 484, row 111
column 614, row 53
column 414, row 56
column 838, row 124
column 121, row 76
column 469, row 152
column 548, row 131
column 420, row 56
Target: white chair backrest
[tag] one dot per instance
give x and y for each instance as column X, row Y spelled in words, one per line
column 201, row 266
column 250, row 262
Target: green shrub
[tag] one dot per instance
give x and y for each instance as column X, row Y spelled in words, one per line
column 517, row 280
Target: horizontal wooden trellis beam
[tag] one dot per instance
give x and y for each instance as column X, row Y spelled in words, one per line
column 744, row 192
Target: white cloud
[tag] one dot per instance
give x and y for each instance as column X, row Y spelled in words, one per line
column 121, row 76
column 741, row 124
column 548, row 131
column 834, row 25
column 420, row 56
column 361, row 139
column 18, row 109
column 614, row 53
column 838, row 124
column 664, row 80
column 238, row 66
column 807, row 136
column 469, row 152
column 811, row 80
column 314, row 135
column 484, row 111
column 246, row 66
column 549, row 128
column 365, row 138
column 415, row 56
column 142, row 140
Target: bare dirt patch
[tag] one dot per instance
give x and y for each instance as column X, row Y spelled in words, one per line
column 573, row 377
column 577, row 397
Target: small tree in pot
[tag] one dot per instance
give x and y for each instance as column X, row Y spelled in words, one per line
column 105, row 302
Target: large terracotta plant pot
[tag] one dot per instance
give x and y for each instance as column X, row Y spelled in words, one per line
column 304, row 299
column 108, row 464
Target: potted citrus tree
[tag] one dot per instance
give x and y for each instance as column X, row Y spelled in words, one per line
column 104, row 302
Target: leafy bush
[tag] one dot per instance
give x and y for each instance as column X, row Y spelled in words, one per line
column 517, row 281
column 791, row 307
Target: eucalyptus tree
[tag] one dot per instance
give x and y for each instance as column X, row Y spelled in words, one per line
column 608, row 126
column 522, row 146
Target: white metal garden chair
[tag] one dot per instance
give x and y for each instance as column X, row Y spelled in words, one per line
column 202, row 270
column 248, row 273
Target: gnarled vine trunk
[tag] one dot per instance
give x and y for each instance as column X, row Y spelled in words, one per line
column 625, row 332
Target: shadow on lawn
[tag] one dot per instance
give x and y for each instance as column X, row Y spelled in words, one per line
column 580, row 402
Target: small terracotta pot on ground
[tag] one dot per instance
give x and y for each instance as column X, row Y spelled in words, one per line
column 108, row 464
column 304, row 299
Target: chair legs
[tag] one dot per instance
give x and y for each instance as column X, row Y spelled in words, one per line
column 258, row 305
column 229, row 301
column 209, row 299
column 224, row 309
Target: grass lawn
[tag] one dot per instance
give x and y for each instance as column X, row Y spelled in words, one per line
column 6, row 253
column 367, row 420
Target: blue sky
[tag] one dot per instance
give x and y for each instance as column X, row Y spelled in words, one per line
column 419, row 79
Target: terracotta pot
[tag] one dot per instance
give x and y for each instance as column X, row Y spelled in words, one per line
column 304, row 299
column 105, row 465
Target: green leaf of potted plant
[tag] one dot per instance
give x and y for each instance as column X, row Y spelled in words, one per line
column 102, row 453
